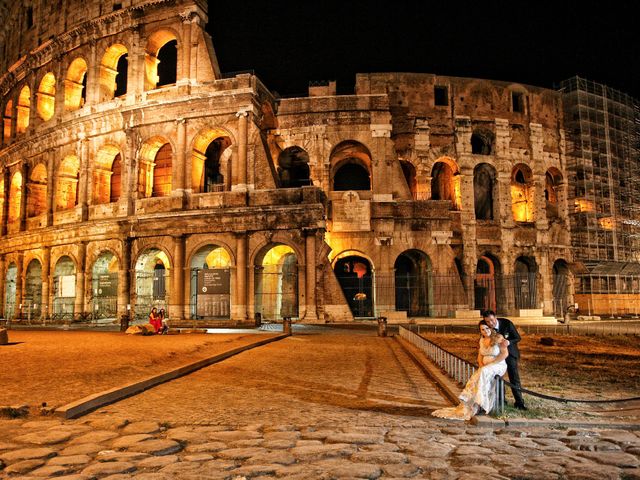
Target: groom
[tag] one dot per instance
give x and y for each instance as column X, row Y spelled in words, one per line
column 508, row 330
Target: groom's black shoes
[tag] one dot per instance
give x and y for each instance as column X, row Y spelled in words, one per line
column 520, row 406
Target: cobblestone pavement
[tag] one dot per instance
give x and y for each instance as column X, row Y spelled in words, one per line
column 308, row 407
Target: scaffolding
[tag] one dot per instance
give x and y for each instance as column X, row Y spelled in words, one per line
column 602, row 127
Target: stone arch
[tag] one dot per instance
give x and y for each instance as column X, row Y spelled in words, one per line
column 161, row 59
column 23, row 109
column 410, row 176
column 525, row 282
column 483, row 95
column 10, row 291
column 276, row 281
column 518, row 98
column 522, row 193
column 32, row 304
column 46, row 96
column 210, row 281
column 113, row 72
column 293, row 167
column 483, row 141
column 67, row 184
column 413, row 288
column 152, row 280
column 356, row 275
column 552, row 181
column 211, row 160
column 2, row 193
column 350, row 166
column 486, row 282
column 7, row 120
column 37, row 191
column 155, row 168
column 64, row 287
column 485, row 193
column 75, row 85
column 445, row 181
column 561, row 278
column 107, row 175
column 105, row 265
column 15, row 197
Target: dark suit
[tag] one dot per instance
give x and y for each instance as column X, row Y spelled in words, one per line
column 508, row 330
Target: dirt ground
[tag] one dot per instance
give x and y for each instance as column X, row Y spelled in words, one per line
column 576, row 367
column 60, row 367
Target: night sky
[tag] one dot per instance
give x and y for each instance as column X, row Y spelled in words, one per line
column 289, row 43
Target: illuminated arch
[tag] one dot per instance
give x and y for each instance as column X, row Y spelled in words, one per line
column 210, row 262
column 210, row 160
column 37, row 191
column 162, row 47
column 107, row 175
column 152, row 275
column 522, row 194
column 75, row 87
column 113, row 72
column 445, row 181
column 7, row 117
column 15, row 197
column 552, row 180
column 276, row 281
column 47, row 97
column 24, row 104
column 155, row 168
column 67, row 185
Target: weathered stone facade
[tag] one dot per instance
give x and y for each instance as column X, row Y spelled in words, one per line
column 128, row 185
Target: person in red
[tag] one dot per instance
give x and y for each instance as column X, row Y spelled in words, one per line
column 155, row 320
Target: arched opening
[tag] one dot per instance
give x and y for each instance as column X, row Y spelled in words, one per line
column 107, row 166
column 2, row 219
column 482, row 142
column 23, row 109
column 561, row 279
column 75, row 85
column 211, row 283
column 64, row 289
column 525, row 279
column 67, row 188
column 6, row 119
column 104, row 286
column 553, row 180
column 10, row 291
column 37, row 191
column 485, row 283
column 412, row 283
column 409, row 173
column 355, row 276
column 152, row 282
column 351, row 176
column 161, row 60
column 211, row 161
column 484, row 185
column 113, row 72
column 15, row 197
column 155, row 172
column 276, row 282
column 350, row 167
column 445, row 183
column 522, row 194
column 293, row 168
column 46, row 103
column 32, row 306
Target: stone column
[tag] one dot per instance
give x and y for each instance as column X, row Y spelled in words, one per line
column 241, row 175
column 19, row 300
column 83, row 184
column 240, row 304
column 93, row 75
column 79, row 305
column 45, row 311
column 124, row 279
column 4, row 215
column 381, row 174
column 24, row 170
column 50, row 192
column 180, row 173
column 187, row 18
column 129, row 177
column 310, row 276
column 177, row 301
column 3, row 280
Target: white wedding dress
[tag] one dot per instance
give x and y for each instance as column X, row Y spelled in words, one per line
column 479, row 392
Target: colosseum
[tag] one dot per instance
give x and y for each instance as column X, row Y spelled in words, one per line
column 135, row 174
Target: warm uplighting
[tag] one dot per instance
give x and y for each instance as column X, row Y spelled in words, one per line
column 521, row 203
column 155, row 168
column 47, row 97
column 15, row 197
column 24, row 104
column 73, row 85
column 199, row 155
column 37, row 191
column 7, row 120
column 102, row 183
column 155, row 43
column 583, row 205
column 607, row 223
column 67, row 188
column 218, row 258
column 109, row 70
column 276, row 255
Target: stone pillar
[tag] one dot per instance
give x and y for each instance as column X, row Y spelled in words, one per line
column 24, row 170
column 4, row 215
column 3, row 280
column 124, row 279
column 177, row 301
column 186, row 45
column 310, row 276
column 79, row 306
column 129, row 177
column 241, row 175
column 381, row 174
column 83, row 184
column 93, row 75
column 180, row 173
column 46, row 274
column 19, row 285
column 50, row 188
column 240, row 304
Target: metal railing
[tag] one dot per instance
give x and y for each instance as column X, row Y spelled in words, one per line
column 455, row 367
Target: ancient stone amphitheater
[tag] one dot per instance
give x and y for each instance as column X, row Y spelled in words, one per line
column 135, row 174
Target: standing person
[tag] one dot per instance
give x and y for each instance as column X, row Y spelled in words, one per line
column 508, row 330
column 154, row 320
column 479, row 392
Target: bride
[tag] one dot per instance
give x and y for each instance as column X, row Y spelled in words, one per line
column 479, row 392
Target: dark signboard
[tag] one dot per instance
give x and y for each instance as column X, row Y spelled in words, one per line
column 215, row 281
column 107, row 285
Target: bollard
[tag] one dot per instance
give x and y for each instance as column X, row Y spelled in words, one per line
column 124, row 322
column 382, row 326
column 286, row 325
column 258, row 319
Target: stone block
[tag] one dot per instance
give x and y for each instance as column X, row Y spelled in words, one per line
column 4, row 336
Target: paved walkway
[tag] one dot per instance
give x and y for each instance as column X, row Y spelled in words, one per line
column 315, row 406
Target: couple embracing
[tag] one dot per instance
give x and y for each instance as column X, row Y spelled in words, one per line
column 498, row 353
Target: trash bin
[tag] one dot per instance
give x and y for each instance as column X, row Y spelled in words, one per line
column 258, row 319
column 124, row 322
column 382, row 326
column 286, row 325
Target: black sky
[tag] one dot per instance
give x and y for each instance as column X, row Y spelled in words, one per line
column 289, row 43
